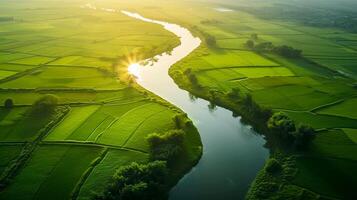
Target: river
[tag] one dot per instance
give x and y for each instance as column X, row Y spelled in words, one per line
column 232, row 152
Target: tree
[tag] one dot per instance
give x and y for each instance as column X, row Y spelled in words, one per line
column 193, row 79
column 137, row 182
column 234, row 94
column 44, row 105
column 254, row 36
column 166, row 146
column 303, row 136
column 273, row 166
column 9, row 103
column 264, row 46
column 210, row 40
column 281, row 124
column 249, row 44
column 287, row 51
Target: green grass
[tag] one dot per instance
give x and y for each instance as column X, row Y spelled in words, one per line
column 101, row 120
column 35, row 60
column 71, row 122
column 126, row 125
column 19, row 126
column 63, row 77
column 351, row 133
column 334, row 144
column 330, row 177
column 7, row 154
column 52, row 172
column 81, row 61
column 344, row 109
column 322, row 121
column 14, row 67
column 61, row 49
column 4, row 74
column 103, row 172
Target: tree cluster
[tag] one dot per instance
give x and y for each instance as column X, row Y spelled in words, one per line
column 254, row 110
column 286, row 129
column 44, row 105
column 283, row 50
column 167, row 146
column 191, row 77
column 137, row 182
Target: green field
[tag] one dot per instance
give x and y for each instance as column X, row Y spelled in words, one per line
column 317, row 88
column 100, row 122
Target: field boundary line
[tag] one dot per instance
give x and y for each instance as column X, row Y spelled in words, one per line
column 118, row 119
column 77, row 188
column 83, row 122
column 49, row 174
column 97, row 127
column 91, row 144
column 141, row 123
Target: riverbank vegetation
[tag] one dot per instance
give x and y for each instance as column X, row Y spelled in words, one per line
column 69, row 118
column 292, row 82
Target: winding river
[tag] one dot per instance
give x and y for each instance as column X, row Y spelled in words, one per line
column 232, row 152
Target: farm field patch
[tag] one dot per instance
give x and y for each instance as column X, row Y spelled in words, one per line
column 18, row 125
column 7, row 154
column 71, row 122
column 103, row 172
column 35, row 60
column 4, row 74
column 47, row 169
column 344, row 109
column 60, row 77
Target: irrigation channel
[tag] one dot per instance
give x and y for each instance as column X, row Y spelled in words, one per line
column 232, row 152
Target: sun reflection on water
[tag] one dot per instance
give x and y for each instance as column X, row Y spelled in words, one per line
column 134, row 69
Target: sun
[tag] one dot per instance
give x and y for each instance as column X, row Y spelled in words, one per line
column 134, row 69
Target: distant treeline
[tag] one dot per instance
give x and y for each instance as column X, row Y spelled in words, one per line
column 308, row 15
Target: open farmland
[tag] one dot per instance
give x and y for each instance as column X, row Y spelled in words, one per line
column 317, row 88
column 78, row 57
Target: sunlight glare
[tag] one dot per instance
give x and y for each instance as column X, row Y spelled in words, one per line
column 134, row 69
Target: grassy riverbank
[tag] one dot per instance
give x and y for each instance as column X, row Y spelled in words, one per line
column 310, row 91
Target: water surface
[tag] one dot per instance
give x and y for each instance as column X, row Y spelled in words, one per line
column 232, row 152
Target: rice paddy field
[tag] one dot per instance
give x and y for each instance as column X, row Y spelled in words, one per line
column 79, row 55
column 316, row 89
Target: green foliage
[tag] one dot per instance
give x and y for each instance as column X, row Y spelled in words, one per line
column 287, row 51
column 273, row 166
column 9, row 103
column 137, row 182
column 249, row 44
column 303, row 135
column 167, row 146
column 281, row 124
column 210, row 40
column 44, row 105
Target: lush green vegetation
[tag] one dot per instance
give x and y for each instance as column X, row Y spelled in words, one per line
column 68, row 117
column 255, row 60
column 262, row 62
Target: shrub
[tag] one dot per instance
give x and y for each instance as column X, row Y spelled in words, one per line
column 281, row 124
column 303, row 136
column 210, row 40
column 273, row 166
column 137, row 182
column 44, row 105
column 167, row 146
column 9, row 103
column 249, row 44
column 234, row 94
column 287, row 51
